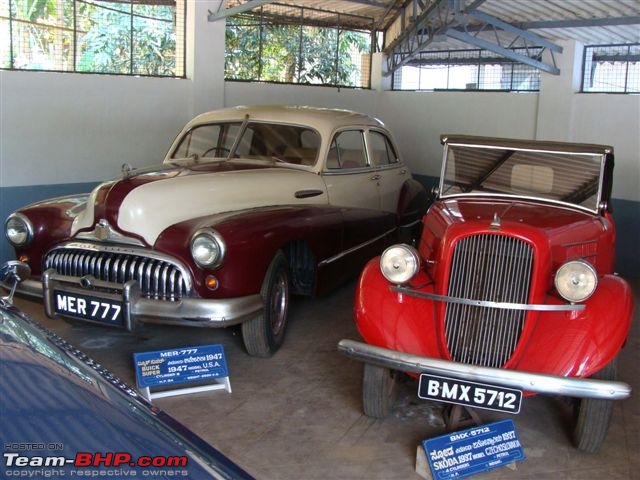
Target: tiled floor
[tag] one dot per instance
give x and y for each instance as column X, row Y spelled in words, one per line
column 298, row 414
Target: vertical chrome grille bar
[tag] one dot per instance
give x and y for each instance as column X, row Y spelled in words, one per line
column 157, row 279
column 489, row 267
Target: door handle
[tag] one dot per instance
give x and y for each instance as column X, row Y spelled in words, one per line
column 403, row 171
column 375, row 177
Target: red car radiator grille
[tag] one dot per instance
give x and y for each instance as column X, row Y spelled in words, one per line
column 157, row 279
column 494, row 268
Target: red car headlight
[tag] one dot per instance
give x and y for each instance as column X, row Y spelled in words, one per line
column 399, row 263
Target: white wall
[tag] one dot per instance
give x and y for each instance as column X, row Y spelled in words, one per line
column 58, row 128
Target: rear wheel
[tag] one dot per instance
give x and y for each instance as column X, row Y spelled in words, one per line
column 593, row 416
column 264, row 334
column 378, row 390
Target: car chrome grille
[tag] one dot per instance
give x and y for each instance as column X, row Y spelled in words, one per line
column 495, row 268
column 157, row 279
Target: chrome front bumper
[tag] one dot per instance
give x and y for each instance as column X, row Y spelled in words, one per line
column 532, row 382
column 193, row 312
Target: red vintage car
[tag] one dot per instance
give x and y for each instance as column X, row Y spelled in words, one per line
column 510, row 290
column 250, row 205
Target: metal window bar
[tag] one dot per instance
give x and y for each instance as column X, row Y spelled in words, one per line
column 59, row 53
column 491, row 73
column 612, row 68
column 281, row 15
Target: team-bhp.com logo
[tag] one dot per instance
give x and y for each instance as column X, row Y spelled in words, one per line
column 86, row 459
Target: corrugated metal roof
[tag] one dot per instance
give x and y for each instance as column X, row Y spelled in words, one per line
column 530, row 14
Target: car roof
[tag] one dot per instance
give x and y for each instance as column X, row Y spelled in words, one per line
column 325, row 120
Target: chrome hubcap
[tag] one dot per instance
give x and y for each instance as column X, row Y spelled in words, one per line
column 279, row 304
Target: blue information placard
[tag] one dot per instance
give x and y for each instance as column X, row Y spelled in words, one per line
column 180, row 365
column 476, row 450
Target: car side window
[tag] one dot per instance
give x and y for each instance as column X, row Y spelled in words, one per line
column 347, row 151
column 381, row 149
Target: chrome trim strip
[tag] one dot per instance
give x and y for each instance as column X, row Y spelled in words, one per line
column 507, row 196
column 353, row 249
column 195, row 312
column 348, row 171
column 130, row 251
column 484, row 303
column 532, row 382
column 98, row 234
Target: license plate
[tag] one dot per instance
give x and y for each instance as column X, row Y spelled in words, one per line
column 471, row 394
column 88, row 307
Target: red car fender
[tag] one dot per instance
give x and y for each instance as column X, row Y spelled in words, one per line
column 577, row 343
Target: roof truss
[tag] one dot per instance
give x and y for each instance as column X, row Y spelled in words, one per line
column 453, row 18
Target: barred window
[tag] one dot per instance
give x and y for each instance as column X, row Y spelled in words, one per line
column 469, row 70
column 130, row 37
column 281, row 45
column 611, row 69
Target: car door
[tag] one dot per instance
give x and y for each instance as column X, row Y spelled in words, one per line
column 352, row 185
column 348, row 175
column 390, row 171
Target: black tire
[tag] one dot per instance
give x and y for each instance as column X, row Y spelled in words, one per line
column 378, row 390
column 593, row 416
column 263, row 335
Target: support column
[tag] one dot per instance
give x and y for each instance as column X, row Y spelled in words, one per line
column 378, row 67
column 205, row 55
column 555, row 120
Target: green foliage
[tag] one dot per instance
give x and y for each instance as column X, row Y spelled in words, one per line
column 294, row 53
column 111, row 37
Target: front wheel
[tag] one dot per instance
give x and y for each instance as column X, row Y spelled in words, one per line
column 264, row 334
column 378, row 390
column 593, row 416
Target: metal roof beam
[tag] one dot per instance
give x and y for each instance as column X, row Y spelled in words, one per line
column 371, row 3
column 227, row 12
column 507, row 27
column 589, row 22
column 505, row 52
column 428, row 26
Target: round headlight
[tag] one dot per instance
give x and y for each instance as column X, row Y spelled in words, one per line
column 576, row 280
column 18, row 230
column 399, row 263
column 207, row 248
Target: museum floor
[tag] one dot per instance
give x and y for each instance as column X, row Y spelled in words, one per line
column 298, row 415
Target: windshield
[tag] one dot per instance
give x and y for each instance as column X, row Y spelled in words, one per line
column 566, row 177
column 259, row 141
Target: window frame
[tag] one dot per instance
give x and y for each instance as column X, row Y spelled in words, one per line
column 180, row 20
column 585, row 52
column 450, row 62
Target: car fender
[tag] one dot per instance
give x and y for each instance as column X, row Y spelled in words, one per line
column 579, row 343
column 51, row 220
column 569, row 343
column 413, row 202
column 252, row 238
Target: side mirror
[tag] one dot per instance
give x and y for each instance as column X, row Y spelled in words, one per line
column 12, row 273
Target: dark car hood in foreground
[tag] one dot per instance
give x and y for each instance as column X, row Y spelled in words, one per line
column 53, row 396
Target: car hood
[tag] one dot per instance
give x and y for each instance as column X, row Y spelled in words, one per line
column 557, row 224
column 147, row 203
column 56, row 397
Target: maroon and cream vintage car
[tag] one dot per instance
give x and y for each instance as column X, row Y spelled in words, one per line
column 251, row 204
column 511, row 288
